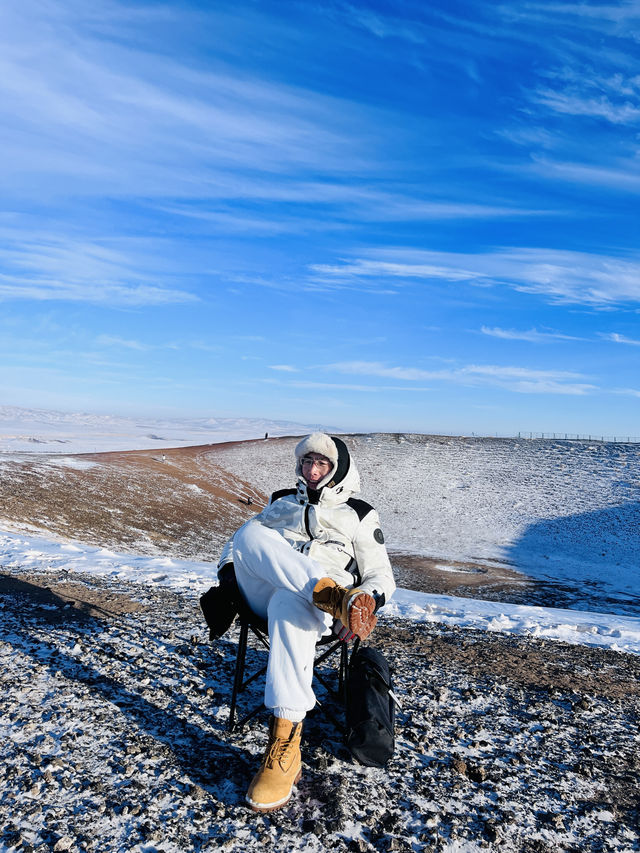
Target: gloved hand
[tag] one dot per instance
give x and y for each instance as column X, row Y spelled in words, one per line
column 220, row 604
column 342, row 632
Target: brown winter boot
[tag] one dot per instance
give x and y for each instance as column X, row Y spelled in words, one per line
column 271, row 787
column 359, row 618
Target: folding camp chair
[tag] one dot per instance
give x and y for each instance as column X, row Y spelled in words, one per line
column 325, row 648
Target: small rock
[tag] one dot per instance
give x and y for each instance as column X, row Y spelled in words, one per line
column 387, row 821
column 490, row 830
column 477, row 774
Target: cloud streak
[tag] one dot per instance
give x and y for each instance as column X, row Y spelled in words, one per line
column 45, row 266
column 620, row 339
column 157, row 122
column 531, row 335
column 560, row 276
column 517, row 379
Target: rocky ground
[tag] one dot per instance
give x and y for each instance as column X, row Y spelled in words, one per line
column 114, row 705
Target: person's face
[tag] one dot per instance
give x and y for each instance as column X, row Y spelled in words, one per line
column 314, row 468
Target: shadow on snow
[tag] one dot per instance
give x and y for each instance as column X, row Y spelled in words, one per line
column 588, row 561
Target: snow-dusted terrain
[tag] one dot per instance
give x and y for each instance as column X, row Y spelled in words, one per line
column 41, row 430
column 192, row 578
column 519, row 728
column 113, row 726
column 566, row 513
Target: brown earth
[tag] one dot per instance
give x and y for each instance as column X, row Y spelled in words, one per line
column 55, row 598
column 177, row 502
column 448, row 577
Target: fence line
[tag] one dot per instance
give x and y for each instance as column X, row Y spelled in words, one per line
column 565, row 436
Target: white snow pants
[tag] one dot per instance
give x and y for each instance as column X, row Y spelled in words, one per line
column 277, row 583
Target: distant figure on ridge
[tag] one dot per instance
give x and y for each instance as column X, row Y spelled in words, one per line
column 312, row 562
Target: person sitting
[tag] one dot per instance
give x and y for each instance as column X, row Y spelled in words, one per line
column 312, row 561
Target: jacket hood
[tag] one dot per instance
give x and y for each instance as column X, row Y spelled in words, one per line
column 341, row 483
column 329, row 446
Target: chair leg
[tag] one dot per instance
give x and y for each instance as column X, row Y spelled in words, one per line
column 239, row 682
column 342, row 673
column 239, row 675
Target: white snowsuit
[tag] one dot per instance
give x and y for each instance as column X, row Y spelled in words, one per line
column 280, row 555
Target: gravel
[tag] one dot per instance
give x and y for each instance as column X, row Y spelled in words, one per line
column 113, row 715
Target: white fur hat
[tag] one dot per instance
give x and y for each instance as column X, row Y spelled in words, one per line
column 318, row 442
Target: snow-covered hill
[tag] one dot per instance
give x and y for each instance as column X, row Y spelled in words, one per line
column 566, row 513
column 40, row 430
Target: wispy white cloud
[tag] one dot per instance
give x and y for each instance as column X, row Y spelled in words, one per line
column 376, row 368
column 561, row 276
column 404, row 265
column 161, row 125
column 532, row 335
column 628, row 392
column 594, row 91
column 118, row 120
column 518, row 379
column 102, row 294
column 126, row 343
column 284, row 368
column 624, row 176
column 578, row 105
column 344, row 386
column 385, row 26
column 113, row 341
column 619, row 339
column 625, row 13
column 47, row 267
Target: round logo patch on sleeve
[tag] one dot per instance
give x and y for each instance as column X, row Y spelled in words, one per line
column 378, row 535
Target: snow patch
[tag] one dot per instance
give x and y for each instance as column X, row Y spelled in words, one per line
column 572, row 626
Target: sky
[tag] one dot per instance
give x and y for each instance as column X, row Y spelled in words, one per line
column 398, row 216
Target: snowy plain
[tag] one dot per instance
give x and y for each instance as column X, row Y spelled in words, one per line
column 45, row 431
column 519, row 734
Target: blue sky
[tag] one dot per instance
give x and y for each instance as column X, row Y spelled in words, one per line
column 399, row 216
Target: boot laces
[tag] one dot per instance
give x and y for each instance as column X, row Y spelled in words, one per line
column 278, row 750
column 337, row 594
column 275, row 752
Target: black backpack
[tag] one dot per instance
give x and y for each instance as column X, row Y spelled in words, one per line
column 371, row 708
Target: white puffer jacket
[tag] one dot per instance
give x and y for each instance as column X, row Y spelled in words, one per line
column 336, row 529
